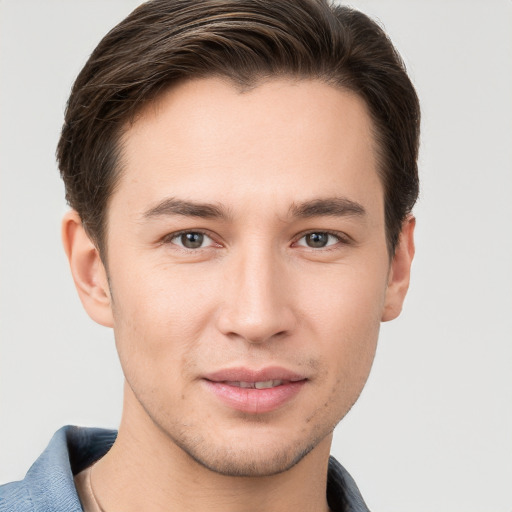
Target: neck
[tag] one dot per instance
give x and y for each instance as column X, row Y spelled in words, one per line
column 146, row 470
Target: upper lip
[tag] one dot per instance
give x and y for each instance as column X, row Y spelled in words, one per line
column 253, row 375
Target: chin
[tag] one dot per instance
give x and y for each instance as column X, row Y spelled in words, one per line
column 249, row 463
column 249, row 456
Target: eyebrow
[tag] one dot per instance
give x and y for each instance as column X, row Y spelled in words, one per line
column 333, row 207
column 329, row 207
column 173, row 206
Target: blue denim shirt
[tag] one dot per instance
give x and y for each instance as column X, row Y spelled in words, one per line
column 49, row 487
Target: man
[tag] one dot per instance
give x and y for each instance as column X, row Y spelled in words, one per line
column 241, row 176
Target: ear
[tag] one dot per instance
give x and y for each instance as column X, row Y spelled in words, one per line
column 400, row 271
column 87, row 269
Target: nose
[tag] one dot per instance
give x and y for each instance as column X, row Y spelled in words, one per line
column 257, row 305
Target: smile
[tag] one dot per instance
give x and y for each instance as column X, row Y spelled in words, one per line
column 254, row 391
column 256, row 385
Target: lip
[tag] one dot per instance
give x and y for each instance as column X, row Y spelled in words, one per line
column 252, row 375
column 251, row 400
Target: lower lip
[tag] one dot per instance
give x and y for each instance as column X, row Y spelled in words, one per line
column 255, row 401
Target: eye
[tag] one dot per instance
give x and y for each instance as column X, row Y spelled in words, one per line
column 318, row 240
column 191, row 240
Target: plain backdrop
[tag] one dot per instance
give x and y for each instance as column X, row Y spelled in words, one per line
column 433, row 428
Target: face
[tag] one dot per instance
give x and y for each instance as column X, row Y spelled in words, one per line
column 248, row 268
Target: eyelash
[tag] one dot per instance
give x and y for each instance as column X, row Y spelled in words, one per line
column 168, row 239
column 342, row 239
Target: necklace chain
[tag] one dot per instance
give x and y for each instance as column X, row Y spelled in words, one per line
column 96, row 502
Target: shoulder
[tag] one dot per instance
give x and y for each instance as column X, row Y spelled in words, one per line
column 48, row 485
column 342, row 492
column 14, row 497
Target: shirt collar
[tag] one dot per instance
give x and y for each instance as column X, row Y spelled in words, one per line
column 50, row 479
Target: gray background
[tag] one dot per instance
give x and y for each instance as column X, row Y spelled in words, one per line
column 433, row 429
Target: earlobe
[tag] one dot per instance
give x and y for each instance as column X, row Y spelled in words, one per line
column 88, row 271
column 400, row 271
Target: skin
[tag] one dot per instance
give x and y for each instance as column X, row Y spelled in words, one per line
column 255, row 294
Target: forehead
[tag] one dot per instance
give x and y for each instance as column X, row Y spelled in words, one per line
column 283, row 139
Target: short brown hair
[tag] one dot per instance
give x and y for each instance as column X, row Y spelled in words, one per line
column 164, row 41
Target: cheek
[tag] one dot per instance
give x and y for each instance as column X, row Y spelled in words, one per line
column 157, row 324
column 346, row 297
column 159, row 298
column 348, row 360
column 344, row 310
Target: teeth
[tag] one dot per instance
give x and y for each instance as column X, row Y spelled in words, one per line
column 266, row 384
column 256, row 385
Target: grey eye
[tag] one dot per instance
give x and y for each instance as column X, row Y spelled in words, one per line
column 191, row 240
column 317, row 239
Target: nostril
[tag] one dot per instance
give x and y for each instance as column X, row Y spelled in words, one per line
column 256, row 308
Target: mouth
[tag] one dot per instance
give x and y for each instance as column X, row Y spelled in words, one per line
column 254, row 392
column 264, row 384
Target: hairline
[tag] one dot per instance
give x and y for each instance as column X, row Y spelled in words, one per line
column 119, row 135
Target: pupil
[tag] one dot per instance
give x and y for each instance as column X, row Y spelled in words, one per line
column 317, row 239
column 192, row 240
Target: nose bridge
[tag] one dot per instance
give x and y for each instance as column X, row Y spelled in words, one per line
column 256, row 306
